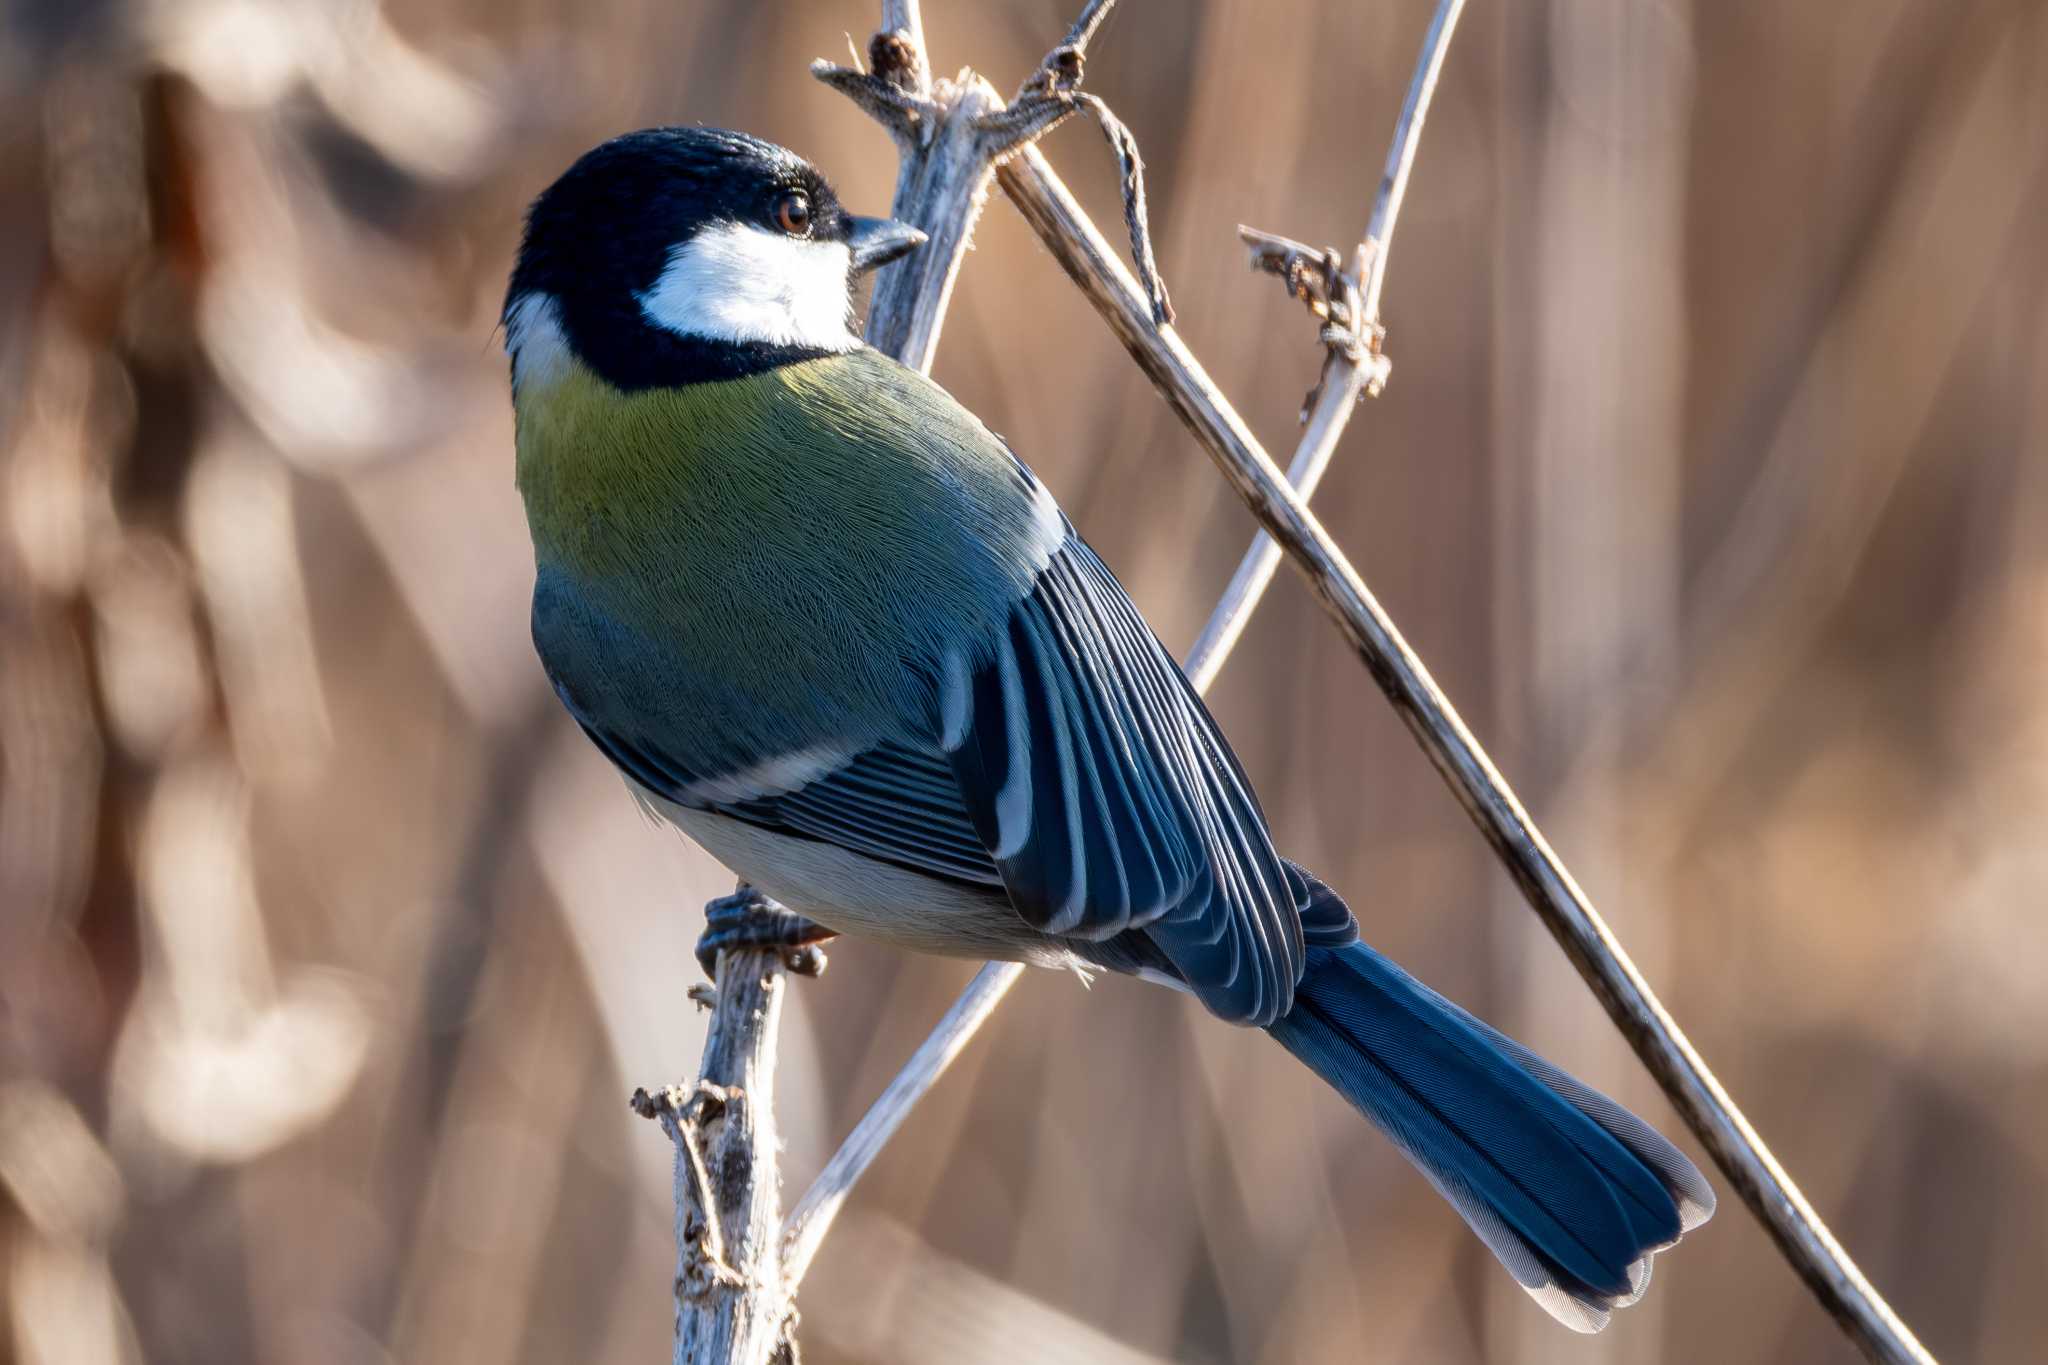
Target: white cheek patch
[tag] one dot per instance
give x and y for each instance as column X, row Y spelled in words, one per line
column 732, row 282
column 535, row 341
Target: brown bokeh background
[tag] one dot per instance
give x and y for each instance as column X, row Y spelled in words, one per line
column 1712, row 482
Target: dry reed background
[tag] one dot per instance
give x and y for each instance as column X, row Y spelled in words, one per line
column 1712, row 482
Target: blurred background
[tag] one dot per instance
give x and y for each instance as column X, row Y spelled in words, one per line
column 1712, row 481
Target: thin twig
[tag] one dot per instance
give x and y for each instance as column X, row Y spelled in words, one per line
column 1346, row 373
column 1048, row 97
column 696, row 1207
column 1386, row 208
column 1546, row 884
column 879, row 97
column 1086, row 26
column 1131, row 178
column 812, row 1217
column 1255, row 571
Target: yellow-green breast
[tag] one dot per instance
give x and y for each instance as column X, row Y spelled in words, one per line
column 787, row 555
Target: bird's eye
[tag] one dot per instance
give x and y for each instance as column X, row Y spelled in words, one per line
column 793, row 213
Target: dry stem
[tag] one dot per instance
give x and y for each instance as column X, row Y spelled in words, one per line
column 730, row 1303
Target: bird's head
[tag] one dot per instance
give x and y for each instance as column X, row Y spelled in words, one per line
column 679, row 254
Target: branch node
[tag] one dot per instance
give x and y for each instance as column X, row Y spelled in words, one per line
column 1316, row 277
column 1331, row 295
column 1060, row 71
column 893, row 57
column 904, row 114
column 1377, row 366
column 659, row 1104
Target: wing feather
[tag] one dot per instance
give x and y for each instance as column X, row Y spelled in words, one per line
column 1111, row 802
column 890, row 801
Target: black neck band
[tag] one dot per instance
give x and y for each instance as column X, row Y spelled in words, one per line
column 630, row 353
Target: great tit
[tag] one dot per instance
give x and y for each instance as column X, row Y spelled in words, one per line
column 827, row 624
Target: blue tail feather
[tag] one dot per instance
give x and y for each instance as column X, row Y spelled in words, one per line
column 1571, row 1191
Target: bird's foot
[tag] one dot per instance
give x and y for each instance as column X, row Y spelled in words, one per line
column 748, row 919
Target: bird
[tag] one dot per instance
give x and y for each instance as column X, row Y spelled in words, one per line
column 827, row 624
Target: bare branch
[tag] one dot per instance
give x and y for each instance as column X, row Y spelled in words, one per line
column 1086, row 26
column 729, row 1300
column 1333, row 408
column 1546, row 884
column 880, row 99
column 1131, row 171
column 1386, row 208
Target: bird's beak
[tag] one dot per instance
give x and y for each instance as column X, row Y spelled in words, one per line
column 878, row 241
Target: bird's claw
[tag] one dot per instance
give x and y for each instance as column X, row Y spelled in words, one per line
column 748, row 919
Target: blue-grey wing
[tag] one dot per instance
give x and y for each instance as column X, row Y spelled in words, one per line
column 890, row 802
column 1113, row 807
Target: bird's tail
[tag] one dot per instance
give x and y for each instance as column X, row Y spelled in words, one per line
column 1572, row 1192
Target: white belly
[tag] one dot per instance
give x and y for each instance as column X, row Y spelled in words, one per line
column 857, row 895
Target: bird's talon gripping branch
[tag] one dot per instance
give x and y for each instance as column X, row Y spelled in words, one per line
column 748, row 919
